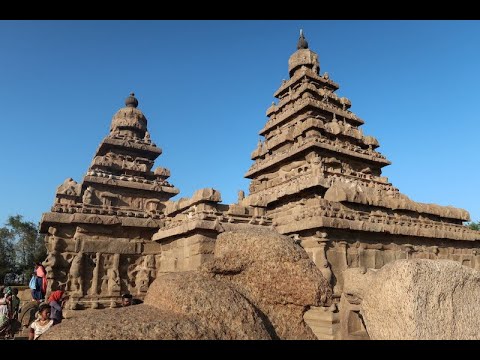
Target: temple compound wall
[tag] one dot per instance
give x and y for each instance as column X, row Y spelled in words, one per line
column 315, row 177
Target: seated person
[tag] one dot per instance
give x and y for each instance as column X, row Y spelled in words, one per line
column 57, row 301
column 127, row 300
column 42, row 324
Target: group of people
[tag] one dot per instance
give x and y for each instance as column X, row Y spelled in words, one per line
column 9, row 309
column 50, row 314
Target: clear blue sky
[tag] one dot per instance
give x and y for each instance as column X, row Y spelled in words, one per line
column 204, row 87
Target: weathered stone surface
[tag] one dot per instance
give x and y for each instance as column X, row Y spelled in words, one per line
column 25, row 295
column 212, row 303
column 139, row 322
column 315, row 177
column 417, row 299
column 275, row 274
column 258, row 287
column 109, row 217
column 315, row 172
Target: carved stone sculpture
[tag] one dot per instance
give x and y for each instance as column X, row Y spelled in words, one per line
column 75, row 275
column 113, row 280
column 87, row 196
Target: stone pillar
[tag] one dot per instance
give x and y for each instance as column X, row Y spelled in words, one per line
column 322, row 261
column 342, row 265
column 116, row 261
column 114, row 279
column 310, row 246
column 361, row 254
column 408, row 250
column 96, row 270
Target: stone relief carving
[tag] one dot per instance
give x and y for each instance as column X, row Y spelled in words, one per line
column 113, row 280
column 74, row 284
column 69, row 187
column 88, row 196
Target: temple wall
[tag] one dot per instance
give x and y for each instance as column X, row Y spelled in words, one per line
column 338, row 250
column 95, row 264
column 343, row 250
column 187, row 253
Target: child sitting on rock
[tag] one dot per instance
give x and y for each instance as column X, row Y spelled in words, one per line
column 42, row 324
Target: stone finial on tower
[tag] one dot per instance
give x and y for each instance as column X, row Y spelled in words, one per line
column 302, row 42
column 303, row 57
column 131, row 101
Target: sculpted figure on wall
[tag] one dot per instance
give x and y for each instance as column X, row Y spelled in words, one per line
column 113, row 279
column 74, row 283
column 147, row 137
column 145, row 272
column 88, row 196
column 51, row 264
column 142, row 280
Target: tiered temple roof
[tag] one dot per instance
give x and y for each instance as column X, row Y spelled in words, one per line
column 120, row 181
column 315, row 162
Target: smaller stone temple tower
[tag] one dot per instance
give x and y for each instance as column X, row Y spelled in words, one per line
column 98, row 233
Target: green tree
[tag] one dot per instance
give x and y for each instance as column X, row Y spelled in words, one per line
column 24, row 246
column 7, row 253
column 474, row 225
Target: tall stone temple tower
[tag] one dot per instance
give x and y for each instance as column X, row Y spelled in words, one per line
column 99, row 231
column 319, row 179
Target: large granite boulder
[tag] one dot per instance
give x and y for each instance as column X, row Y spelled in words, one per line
column 275, row 274
column 139, row 322
column 417, row 299
column 209, row 302
column 177, row 306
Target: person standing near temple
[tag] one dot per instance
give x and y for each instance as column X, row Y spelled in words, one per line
column 6, row 313
column 15, row 304
column 40, row 290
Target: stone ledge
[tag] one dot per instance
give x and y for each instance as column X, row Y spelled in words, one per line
column 394, row 229
column 62, row 218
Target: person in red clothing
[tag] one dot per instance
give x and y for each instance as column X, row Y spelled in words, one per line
column 56, row 302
